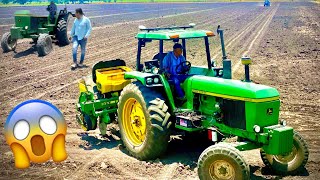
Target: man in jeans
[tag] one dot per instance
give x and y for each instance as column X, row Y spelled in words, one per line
column 80, row 32
column 170, row 63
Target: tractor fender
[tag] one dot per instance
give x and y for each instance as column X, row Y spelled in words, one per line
column 142, row 77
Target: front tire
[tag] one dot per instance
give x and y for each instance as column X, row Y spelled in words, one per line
column 7, row 43
column 144, row 123
column 44, row 44
column 222, row 161
column 291, row 163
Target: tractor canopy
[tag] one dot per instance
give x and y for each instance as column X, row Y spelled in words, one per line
column 169, row 34
column 22, row 13
column 232, row 89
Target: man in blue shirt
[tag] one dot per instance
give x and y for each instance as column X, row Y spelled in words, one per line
column 80, row 32
column 52, row 8
column 170, row 63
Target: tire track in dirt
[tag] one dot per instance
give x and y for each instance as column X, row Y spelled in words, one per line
column 235, row 39
column 167, row 172
column 259, row 34
column 116, row 164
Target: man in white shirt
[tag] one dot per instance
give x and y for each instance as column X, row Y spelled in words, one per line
column 80, row 32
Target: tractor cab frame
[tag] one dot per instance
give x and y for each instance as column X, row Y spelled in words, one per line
column 176, row 34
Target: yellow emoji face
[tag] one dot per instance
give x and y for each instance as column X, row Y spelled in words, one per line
column 35, row 131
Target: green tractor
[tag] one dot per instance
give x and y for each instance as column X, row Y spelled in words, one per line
column 143, row 102
column 42, row 29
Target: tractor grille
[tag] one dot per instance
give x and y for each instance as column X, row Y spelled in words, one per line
column 234, row 113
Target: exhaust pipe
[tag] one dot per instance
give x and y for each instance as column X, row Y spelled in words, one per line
column 246, row 61
column 227, row 74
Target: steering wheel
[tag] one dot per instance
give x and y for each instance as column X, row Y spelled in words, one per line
column 183, row 67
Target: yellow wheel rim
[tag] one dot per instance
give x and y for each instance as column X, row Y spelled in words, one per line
column 221, row 169
column 134, row 122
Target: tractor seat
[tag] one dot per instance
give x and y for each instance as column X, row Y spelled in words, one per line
column 160, row 57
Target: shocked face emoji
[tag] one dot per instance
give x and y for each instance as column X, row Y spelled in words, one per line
column 35, row 131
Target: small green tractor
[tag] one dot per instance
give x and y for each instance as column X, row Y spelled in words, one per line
column 41, row 29
column 144, row 104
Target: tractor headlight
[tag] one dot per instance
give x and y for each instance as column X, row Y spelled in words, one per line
column 26, row 27
column 283, row 122
column 149, row 81
column 220, row 72
column 156, row 80
column 154, row 70
column 256, row 128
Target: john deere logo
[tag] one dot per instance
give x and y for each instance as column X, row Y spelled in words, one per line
column 270, row 111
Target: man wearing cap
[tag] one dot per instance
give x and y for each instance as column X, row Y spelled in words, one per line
column 170, row 63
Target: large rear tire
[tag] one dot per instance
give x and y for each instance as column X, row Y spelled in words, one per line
column 222, row 161
column 62, row 31
column 144, row 123
column 44, row 44
column 292, row 163
column 7, row 43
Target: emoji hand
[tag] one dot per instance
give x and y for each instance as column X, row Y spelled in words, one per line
column 21, row 159
column 58, row 149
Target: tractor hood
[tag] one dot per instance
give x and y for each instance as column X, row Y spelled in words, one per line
column 231, row 89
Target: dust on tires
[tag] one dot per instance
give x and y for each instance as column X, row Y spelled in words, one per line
column 292, row 163
column 222, row 161
column 157, row 120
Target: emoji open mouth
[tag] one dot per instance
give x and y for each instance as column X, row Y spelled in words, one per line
column 37, row 144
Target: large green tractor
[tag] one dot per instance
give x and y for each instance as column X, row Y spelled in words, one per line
column 144, row 103
column 41, row 29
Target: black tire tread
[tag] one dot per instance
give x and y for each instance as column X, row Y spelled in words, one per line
column 4, row 43
column 41, row 44
column 62, row 32
column 296, row 135
column 228, row 150
column 158, row 115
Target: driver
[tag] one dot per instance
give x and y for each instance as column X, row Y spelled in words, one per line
column 170, row 63
column 52, row 8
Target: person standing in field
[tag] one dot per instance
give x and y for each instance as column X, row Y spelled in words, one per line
column 80, row 33
column 52, row 8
